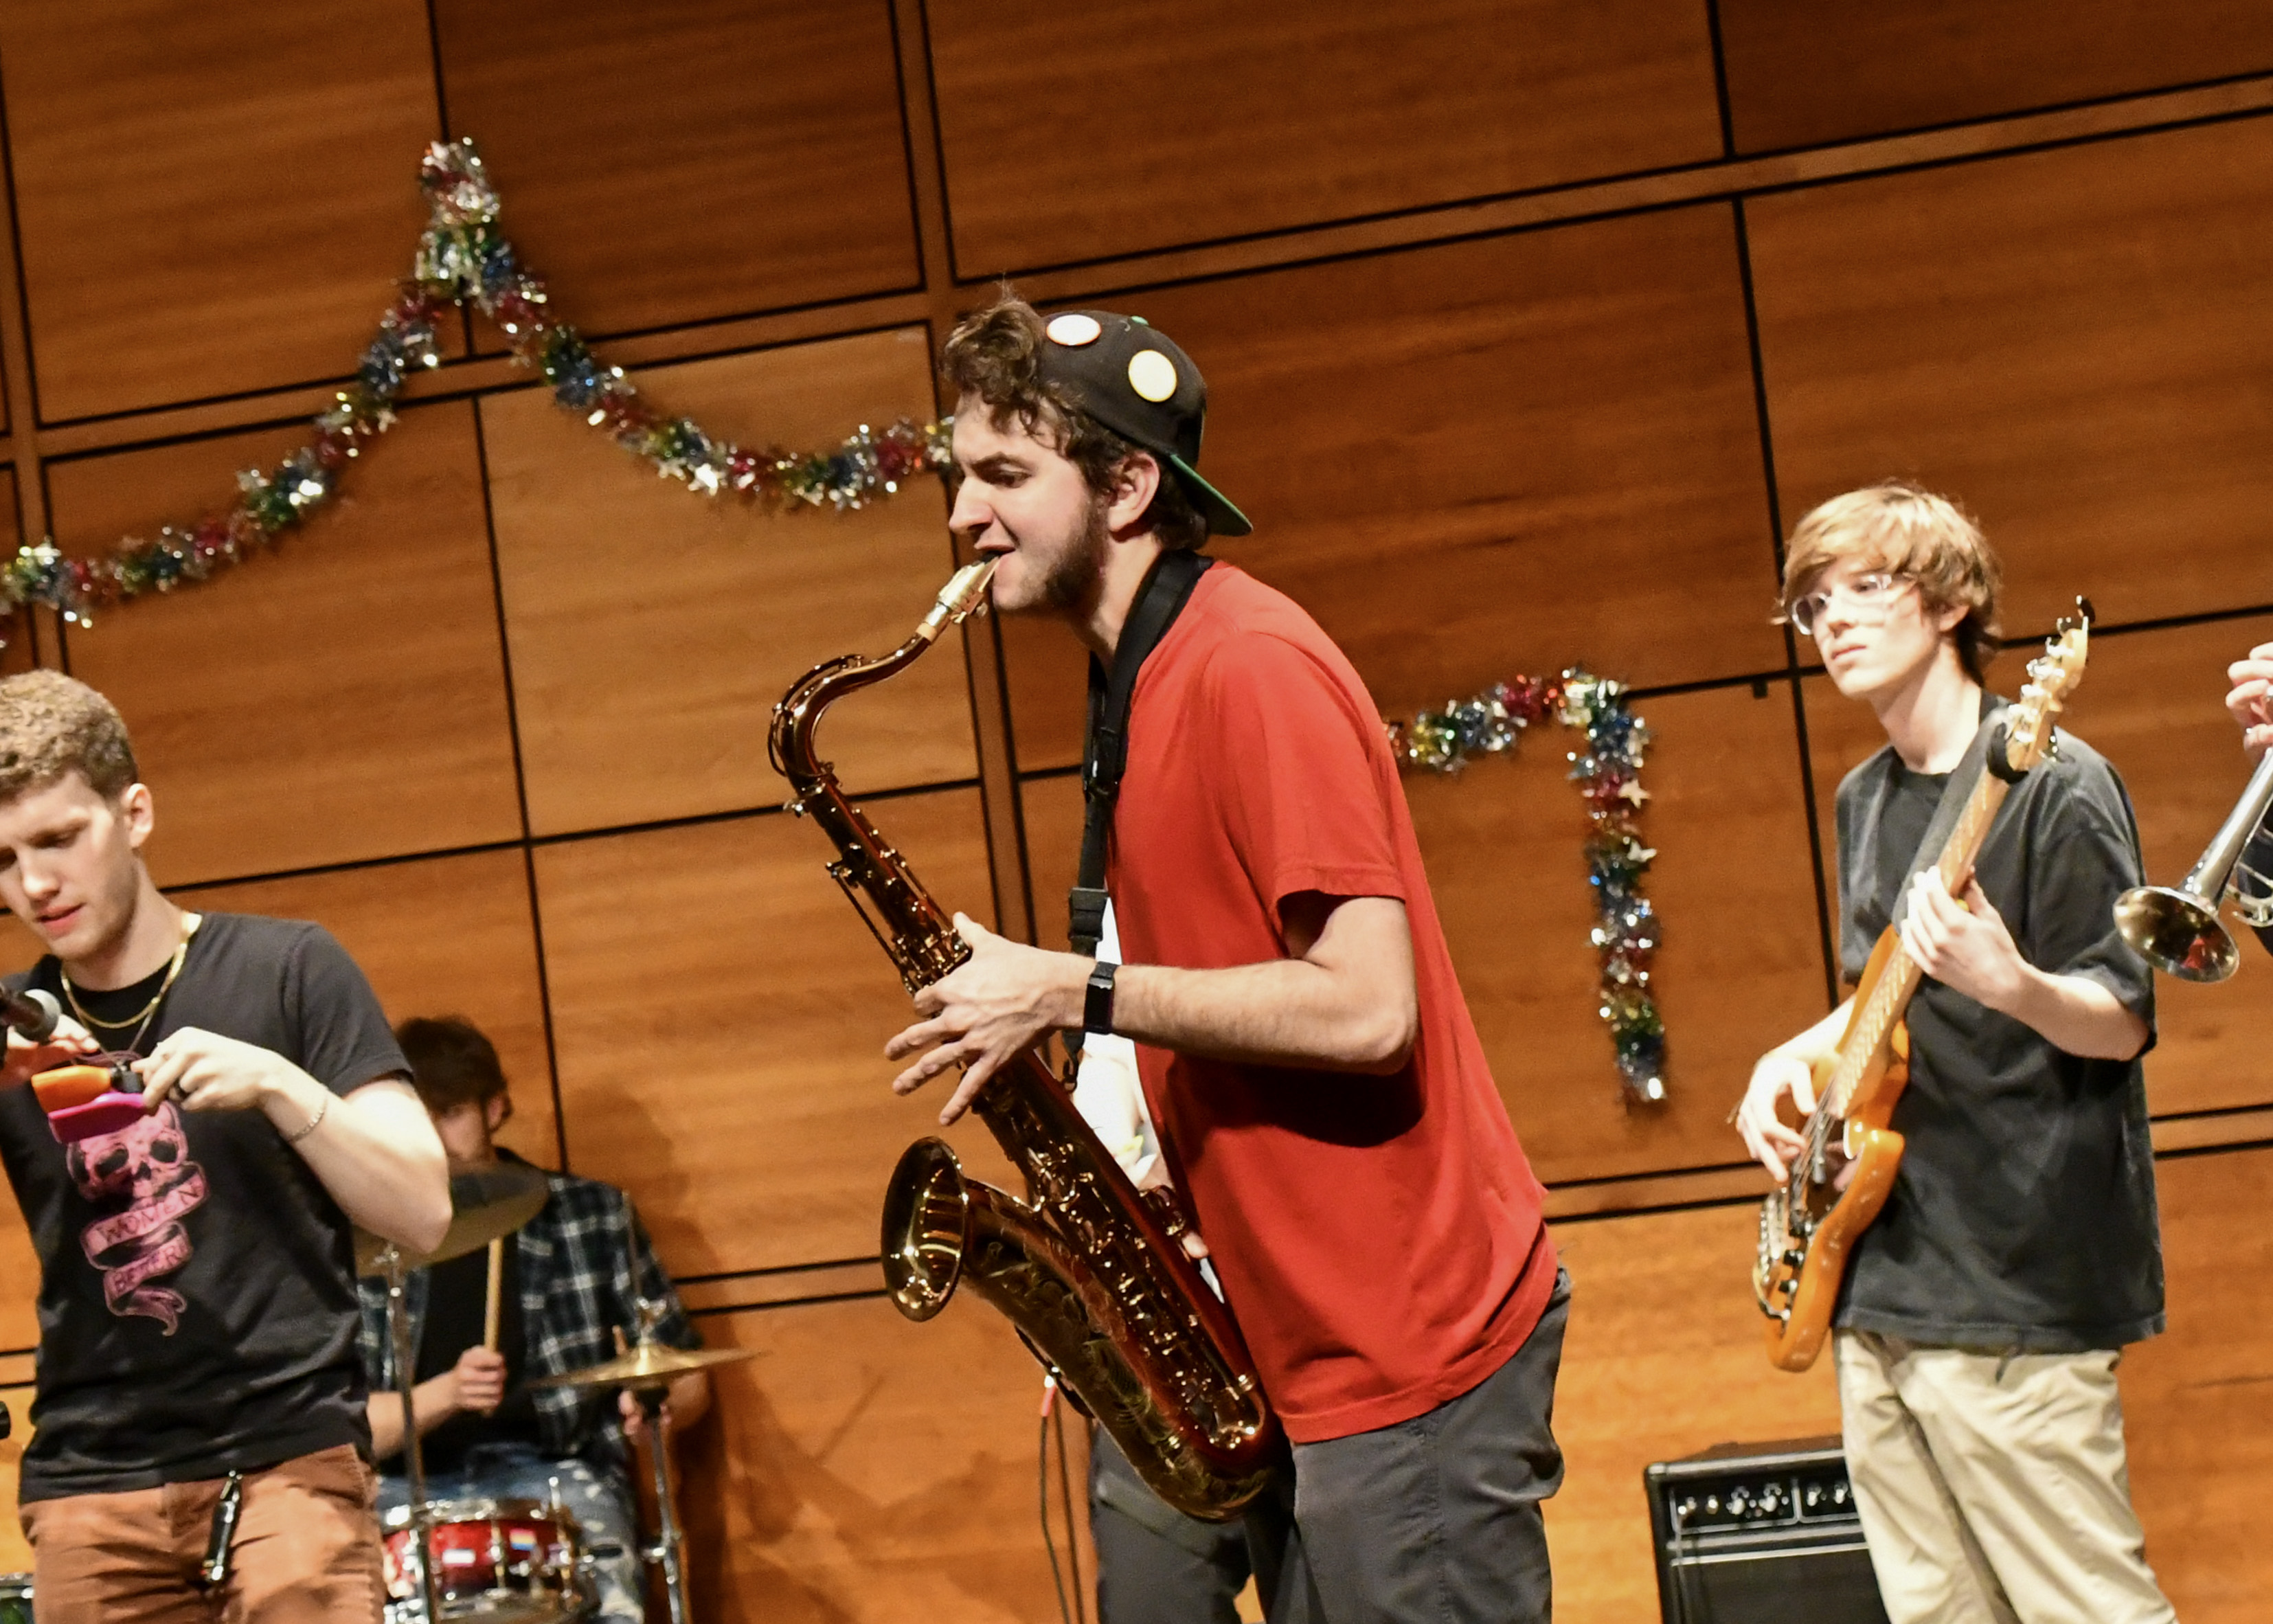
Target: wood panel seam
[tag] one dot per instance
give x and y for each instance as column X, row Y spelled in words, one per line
column 16, row 357
column 520, row 772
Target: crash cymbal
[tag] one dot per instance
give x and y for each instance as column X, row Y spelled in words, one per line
column 649, row 1364
column 485, row 1204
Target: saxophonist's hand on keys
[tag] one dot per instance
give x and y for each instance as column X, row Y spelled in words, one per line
column 1003, row 998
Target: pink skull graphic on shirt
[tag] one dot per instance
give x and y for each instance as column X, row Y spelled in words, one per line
column 143, row 1181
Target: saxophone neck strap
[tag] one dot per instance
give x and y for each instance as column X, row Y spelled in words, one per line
column 1167, row 586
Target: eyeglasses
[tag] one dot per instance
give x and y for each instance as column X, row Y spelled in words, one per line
column 1868, row 599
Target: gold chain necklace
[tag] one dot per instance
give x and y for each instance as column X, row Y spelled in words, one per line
column 140, row 1020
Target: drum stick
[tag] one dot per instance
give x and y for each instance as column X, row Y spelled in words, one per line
column 497, row 1285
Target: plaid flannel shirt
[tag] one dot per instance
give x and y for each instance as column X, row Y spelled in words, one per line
column 574, row 1295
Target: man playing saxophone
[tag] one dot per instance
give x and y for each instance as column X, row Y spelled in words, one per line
column 2250, row 705
column 1318, row 1088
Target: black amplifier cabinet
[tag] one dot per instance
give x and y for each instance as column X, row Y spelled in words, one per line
column 1760, row 1534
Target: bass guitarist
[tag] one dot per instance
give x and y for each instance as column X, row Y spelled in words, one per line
column 1983, row 1314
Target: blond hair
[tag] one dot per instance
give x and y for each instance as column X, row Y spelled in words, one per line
column 1910, row 532
column 52, row 726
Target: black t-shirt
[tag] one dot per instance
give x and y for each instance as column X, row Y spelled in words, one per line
column 2022, row 1217
column 457, row 1314
column 197, row 1310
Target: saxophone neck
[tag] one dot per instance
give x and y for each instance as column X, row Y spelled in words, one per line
column 789, row 741
column 912, row 928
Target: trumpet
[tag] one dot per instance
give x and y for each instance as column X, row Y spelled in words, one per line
column 2176, row 928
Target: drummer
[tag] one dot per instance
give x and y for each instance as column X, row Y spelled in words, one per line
column 563, row 1295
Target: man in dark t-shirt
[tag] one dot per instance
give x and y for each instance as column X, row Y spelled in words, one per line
column 2251, row 704
column 197, row 1313
column 1982, row 1315
column 577, row 1277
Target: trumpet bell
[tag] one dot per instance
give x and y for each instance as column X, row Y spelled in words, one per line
column 2178, row 933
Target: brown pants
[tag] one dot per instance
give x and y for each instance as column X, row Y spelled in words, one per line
column 306, row 1550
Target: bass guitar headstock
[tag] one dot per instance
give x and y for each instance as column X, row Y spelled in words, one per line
column 2052, row 676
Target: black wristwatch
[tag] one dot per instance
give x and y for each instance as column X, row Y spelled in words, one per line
column 1097, row 1011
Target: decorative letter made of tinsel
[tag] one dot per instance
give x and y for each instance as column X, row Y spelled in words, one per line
column 464, row 259
column 1608, row 775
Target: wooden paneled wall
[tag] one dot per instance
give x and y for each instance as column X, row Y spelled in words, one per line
column 1528, row 330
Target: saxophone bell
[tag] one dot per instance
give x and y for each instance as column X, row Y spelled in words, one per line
column 927, row 1227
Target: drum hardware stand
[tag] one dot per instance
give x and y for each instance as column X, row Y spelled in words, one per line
column 646, row 1369
column 405, row 1366
column 669, row 1551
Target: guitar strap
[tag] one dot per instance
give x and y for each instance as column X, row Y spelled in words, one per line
column 1975, row 761
column 1167, row 586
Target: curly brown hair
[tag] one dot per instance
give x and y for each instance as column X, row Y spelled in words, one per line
column 52, row 726
column 993, row 357
column 1913, row 532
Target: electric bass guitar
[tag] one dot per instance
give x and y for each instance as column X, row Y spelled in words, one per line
column 1809, row 1225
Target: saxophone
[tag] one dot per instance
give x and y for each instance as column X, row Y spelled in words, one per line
column 1091, row 1273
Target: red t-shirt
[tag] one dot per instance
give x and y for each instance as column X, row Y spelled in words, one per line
column 1378, row 1238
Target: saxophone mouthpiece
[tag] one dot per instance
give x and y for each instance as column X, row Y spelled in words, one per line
column 964, row 595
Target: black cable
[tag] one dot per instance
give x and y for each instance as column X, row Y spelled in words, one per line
column 1042, row 1492
column 1073, row 1530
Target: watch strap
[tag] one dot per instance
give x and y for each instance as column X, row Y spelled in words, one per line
column 1097, row 1008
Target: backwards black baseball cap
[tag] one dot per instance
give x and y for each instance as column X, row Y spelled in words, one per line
column 1136, row 382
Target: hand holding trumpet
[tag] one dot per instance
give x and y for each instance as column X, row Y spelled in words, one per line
column 2251, row 700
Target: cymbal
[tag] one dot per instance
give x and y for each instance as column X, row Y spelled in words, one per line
column 649, row 1364
column 486, row 1203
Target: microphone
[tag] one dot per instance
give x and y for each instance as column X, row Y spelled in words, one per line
column 32, row 1013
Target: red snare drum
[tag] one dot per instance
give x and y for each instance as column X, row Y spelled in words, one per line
column 497, row 1561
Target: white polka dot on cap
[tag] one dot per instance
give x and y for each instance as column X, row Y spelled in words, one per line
column 1152, row 374
column 1074, row 330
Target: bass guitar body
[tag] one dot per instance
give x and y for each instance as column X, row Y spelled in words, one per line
column 1808, row 1228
